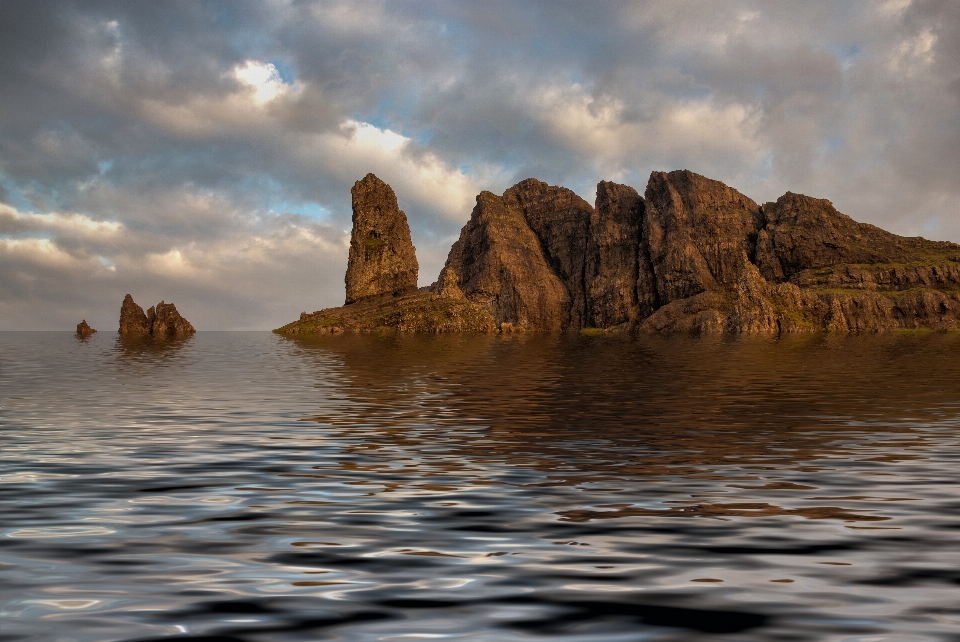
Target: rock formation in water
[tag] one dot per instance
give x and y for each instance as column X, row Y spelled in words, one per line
column 159, row 322
column 84, row 329
column 382, row 257
column 691, row 255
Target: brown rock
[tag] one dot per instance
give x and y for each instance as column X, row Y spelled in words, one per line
column 620, row 286
column 133, row 321
column 803, row 232
column 160, row 322
column 382, row 257
column 561, row 221
column 502, row 268
column 84, row 330
column 694, row 256
column 448, row 285
column 695, row 229
column 419, row 311
column 167, row 322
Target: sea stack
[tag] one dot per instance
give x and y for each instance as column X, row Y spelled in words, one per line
column 160, row 322
column 133, row 320
column 84, row 330
column 382, row 257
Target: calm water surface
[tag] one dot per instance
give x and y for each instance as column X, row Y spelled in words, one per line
column 244, row 486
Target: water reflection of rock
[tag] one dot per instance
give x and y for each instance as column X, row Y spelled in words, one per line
column 583, row 411
column 147, row 351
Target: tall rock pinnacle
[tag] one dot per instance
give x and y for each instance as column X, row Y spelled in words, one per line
column 382, row 257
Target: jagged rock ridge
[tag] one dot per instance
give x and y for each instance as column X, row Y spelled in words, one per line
column 159, row 322
column 692, row 254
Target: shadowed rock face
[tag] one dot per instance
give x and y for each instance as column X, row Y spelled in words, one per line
column 804, row 233
column 382, row 257
column 619, row 279
column 158, row 322
column 692, row 256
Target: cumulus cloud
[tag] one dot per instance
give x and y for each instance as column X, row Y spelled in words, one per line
column 205, row 152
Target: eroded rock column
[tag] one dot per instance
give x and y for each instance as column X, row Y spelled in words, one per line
column 382, row 257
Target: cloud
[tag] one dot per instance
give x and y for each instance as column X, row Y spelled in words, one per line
column 204, row 152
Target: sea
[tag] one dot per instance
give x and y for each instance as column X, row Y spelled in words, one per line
column 245, row 486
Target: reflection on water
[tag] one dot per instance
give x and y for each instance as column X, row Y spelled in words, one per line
column 250, row 487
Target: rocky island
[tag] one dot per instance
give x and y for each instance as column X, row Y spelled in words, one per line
column 690, row 255
column 159, row 322
column 84, row 329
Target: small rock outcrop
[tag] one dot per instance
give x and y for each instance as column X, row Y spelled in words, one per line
column 84, row 330
column 159, row 322
column 382, row 258
column 691, row 255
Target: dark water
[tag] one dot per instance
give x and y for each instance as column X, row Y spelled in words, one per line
column 242, row 486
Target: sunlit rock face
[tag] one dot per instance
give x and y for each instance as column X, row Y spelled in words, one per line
column 691, row 255
column 133, row 320
column 502, row 268
column 382, row 257
column 561, row 221
column 165, row 321
column 696, row 231
column 159, row 322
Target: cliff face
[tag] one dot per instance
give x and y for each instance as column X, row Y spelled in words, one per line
column 691, row 255
column 620, row 283
column 160, row 322
column 382, row 258
column 501, row 267
column 560, row 220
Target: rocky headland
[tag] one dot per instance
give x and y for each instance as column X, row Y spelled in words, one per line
column 159, row 322
column 689, row 255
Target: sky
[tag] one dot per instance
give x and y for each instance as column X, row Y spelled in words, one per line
column 203, row 152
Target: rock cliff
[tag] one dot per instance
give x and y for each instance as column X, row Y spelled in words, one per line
column 159, row 322
column 382, row 258
column 690, row 255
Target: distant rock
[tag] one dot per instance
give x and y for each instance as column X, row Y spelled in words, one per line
column 382, row 258
column 691, row 255
column 133, row 320
column 160, row 322
column 165, row 321
column 84, row 330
